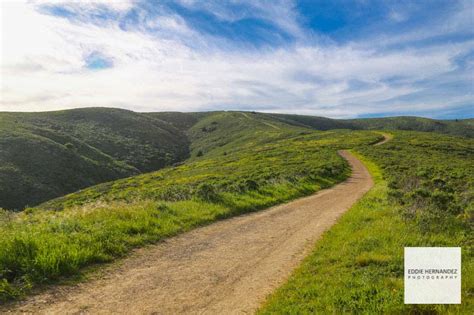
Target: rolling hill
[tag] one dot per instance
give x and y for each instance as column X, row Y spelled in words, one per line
column 459, row 127
column 240, row 162
column 223, row 164
column 49, row 154
column 46, row 155
column 221, row 144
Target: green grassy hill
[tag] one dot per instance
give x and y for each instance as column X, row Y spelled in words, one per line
column 460, row 127
column 49, row 154
column 314, row 122
column 423, row 196
column 227, row 149
column 240, row 162
column 46, row 155
column 181, row 121
column 236, row 162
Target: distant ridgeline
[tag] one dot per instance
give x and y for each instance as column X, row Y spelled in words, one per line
column 49, row 154
column 458, row 127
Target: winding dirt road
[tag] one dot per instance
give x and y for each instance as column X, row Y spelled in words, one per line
column 228, row 267
column 386, row 138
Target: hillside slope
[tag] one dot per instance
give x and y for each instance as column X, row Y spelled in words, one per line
column 240, row 162
column 314, row 122
column 46, row 155
column 227, row 150
column 179, row 120
column 459, row 127
column 423, row 197
column 257, row 250
column 49, row 154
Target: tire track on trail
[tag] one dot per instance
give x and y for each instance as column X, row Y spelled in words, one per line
column 228, row 267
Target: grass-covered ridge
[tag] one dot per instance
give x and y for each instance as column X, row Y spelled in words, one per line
column 265, row 164
column 46, row 155
column 423, row 196
column 229, row 151
column 459, row 127
column 237, row 162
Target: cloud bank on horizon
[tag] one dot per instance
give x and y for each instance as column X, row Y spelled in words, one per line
column 338, row 59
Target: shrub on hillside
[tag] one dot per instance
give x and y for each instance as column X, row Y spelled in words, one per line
column 430, row 177
column 69, row 146
column 175, row 193
column 207, row 192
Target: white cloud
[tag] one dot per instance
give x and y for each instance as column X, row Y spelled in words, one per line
column 461, row 21
column 117, row 5
column 43, row 68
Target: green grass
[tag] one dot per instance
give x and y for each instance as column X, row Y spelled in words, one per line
column 262, row 166
column 238, row 162
column 431, row 177
column 240, row 151
column 46, row 155
column 357, row 266
column 38, row 247
column 459, row 127
column 49, row 154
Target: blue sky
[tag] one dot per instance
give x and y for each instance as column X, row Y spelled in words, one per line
column 338, row 59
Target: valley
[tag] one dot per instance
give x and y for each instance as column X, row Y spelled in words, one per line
column 224, row 165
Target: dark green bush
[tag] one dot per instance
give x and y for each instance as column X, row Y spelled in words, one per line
column 207, row 192
column 251, row 184
column 69, row 146
column 175, row 193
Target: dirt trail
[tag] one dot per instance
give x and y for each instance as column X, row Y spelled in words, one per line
column 228, row 267
column 386, row 137
column 263, row 122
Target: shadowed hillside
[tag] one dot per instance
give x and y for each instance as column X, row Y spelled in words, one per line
column 181, row 121
column 238, row 162
column 49, row 154
column 221, row 143
column 46, row 155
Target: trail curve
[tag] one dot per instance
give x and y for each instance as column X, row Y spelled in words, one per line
column 228, row 267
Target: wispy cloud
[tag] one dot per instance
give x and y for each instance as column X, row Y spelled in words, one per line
column 253, row 55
